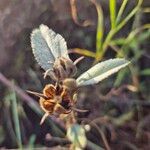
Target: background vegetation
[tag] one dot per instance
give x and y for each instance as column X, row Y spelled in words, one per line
column 119, row 107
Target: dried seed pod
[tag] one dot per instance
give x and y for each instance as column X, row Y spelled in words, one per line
column 55, row 100
column 64, row 68
column 70, row 84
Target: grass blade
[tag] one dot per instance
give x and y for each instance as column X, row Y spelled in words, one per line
column 118, row 27
column 100, row 27
column 145, row 72
column 131, row 37
column 121, row 10
column 129, row 16
column 121, row 75
column 16, row 118
column 32, row 141
column 119, row 41
column 2, row 133
column 112, row 8
column 30, row 102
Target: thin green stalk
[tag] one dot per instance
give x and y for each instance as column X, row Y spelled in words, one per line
column 114, row 31
column 135, row 32
column 129, row 16
column 125, row 50
column 100, row 27
column 120, row 76
column 31, row 141
column 112, row 8
column 16, row 119
column 121, row 10
column 119, row 41
column 131, row 37
column 105, row 44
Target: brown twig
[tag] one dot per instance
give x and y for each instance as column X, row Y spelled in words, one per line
column 78, row 60
column 93, row 123
column 58, row 140
column 75, row 16
column 102, row 136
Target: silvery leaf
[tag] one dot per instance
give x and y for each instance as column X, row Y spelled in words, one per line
column 41, row 51
column 101, row 71
column 76, row 134
column 47, row 46
column 56, row 42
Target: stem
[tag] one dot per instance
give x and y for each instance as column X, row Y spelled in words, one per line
column 112, row 8
column 115, row 30
column 100, row 27
column 16, row 119
column 121, row 10
column 105, row 44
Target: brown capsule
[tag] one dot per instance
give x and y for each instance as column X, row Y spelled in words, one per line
column 54, row 100
column 70, row 84
column 62, row 68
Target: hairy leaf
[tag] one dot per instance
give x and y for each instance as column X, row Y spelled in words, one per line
column 55, row 42
column 47, row 46
column 101, row 71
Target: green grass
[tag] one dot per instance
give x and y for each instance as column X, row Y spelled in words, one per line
column 122, row 46
column 15, row 115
